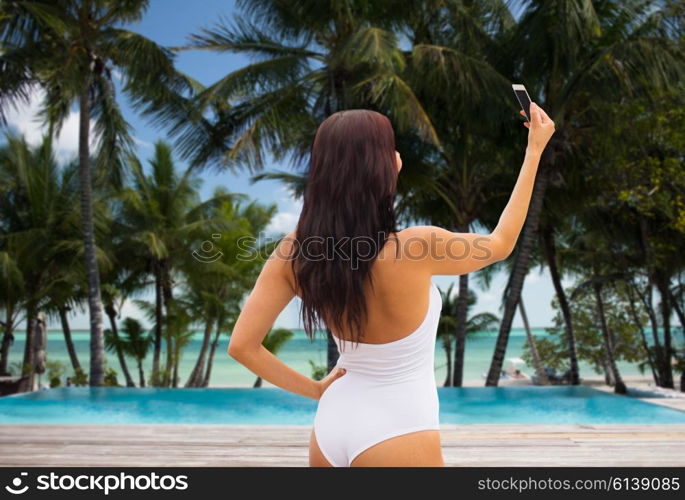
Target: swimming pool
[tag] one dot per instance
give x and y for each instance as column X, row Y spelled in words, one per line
column 271, row 406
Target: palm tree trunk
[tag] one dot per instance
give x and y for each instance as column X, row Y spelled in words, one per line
column 28, row 363
column 97, row 340
column 662, row 283
column 681, row 318
column 66, row 330
column 643, row 335
column 448, row 352
column 537, row 363
column 550, row 254
column 177, row 360
column 210, row 360
column 661, row 359
column 332, row 350
column 7, row 340
column 519, row 272
column 168, row 365
column 619, row 385
column 461, row 319
column 141, row 373
column 112, row 315
column 608, row 376
column 158, row 328
column 654, row 322
column 678, row 310
column 167, row 295
column 660, row 355
column 40, row 347
column 197, row 375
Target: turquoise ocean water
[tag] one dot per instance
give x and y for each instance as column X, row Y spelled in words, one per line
column 269, row 406
column 296, row 353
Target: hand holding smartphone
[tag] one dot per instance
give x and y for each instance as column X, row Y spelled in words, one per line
column 523, row 98
column 540, row 125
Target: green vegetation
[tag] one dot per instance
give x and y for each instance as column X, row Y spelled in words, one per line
column 607, row 211
column 274, row 342
column 149, row 228
column 448, row 321
column 318, row 371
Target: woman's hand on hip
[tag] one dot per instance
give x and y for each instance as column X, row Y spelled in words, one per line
column 334, row 375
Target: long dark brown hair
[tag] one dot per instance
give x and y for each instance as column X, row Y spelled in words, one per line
column 347, row 216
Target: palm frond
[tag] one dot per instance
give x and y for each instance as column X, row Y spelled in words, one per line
column 244, row 37
column 295, row 182
column 112, row 131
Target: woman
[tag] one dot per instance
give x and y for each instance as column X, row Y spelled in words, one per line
column 371, row 285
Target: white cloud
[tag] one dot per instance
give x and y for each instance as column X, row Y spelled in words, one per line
column 283, row 222
column 130, row 309
column 486, row 296
column 286, row 196
column 286, row 219
column 25, row 120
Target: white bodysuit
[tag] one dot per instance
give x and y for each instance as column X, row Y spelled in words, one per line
column 388, row 389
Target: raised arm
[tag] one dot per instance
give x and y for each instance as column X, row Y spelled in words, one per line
column 451, row 253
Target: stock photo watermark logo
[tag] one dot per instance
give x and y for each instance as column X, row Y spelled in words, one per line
column 208, row 253
column 98, row 483
column 356, row 249
column 352, row 249
column 17, row 487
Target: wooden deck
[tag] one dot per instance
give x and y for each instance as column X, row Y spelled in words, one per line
column 220, row 446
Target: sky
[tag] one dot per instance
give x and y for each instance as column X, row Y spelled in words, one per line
column 168, row 23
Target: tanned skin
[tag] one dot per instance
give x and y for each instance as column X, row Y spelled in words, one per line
column 400, row 298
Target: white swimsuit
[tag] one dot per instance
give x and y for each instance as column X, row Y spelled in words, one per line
column 389, row 389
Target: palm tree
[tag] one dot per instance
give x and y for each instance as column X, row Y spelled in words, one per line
column 568, row 192
column 37, row 231
column 595, row 284
column 642, row 201
column 66, row 296
column 253, row 219
column 313, row 59
column 225, row 324
column 180, row 332
column 567, row 53
column 162, row 216
column 446, row 329
column 135, row 343
column 71, row 49
column 274, row 342
column 123, row 278
column 550, row 254
column 218, row 279
column 537, row 363
column 11, row 291
column 449, row 317
column 452, row 67
column 593, row 250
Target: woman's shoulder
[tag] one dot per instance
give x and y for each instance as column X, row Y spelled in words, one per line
column 421, row 239
column 414, row 244
column 285, row 248
column 423, row 232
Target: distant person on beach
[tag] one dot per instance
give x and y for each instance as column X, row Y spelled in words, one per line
column 370, row 284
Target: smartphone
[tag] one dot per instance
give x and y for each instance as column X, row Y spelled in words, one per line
column 523, row 98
